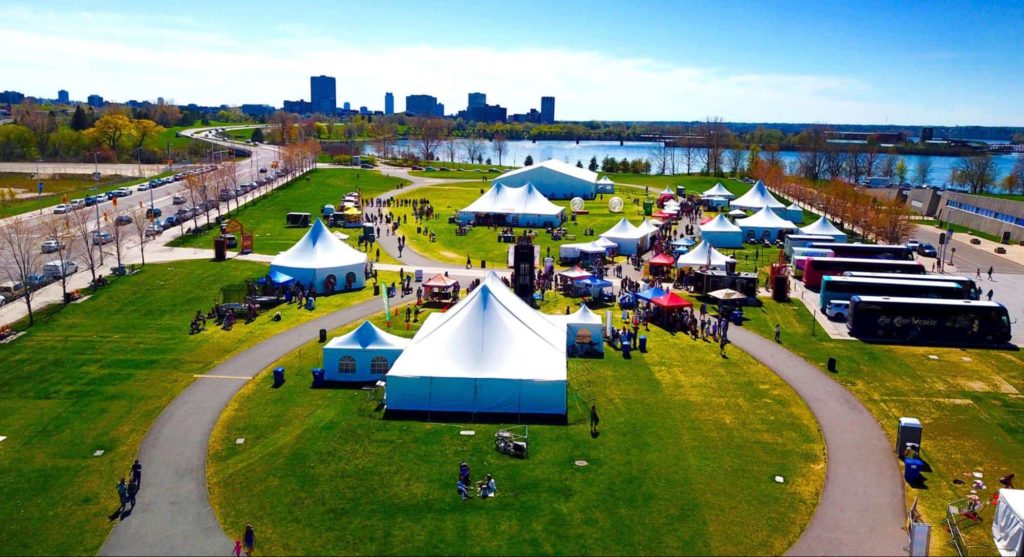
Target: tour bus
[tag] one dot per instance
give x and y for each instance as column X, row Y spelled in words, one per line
column 843, row 288
column 817, row 267
column 917, row 321
column 800, row 256
column 972, row 290
column 867, row 251
column 801, row 241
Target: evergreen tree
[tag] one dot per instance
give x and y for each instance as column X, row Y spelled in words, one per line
column 488, row 161
column 579, row 164
column 257, row 135
column 593, row 164
column 528, row 161
column 79, row 122
column 206, row 120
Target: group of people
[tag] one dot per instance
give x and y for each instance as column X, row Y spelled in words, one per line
column 484, row 488
column 126, row 492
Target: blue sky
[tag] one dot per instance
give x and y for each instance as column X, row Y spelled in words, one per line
column 940, row 63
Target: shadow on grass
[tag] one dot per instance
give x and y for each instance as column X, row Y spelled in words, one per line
column 475, row 417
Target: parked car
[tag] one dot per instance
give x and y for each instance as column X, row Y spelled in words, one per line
column 417, row 168
column 226, row 194
column 122, row 220
column 101, row 237
column 368, row 165
column 55, row 270
column 50, row 246
column 913, row 243
column 123, row 192
column 153, row 213
column 90, row 200
column 154, row 230
column 12, row 290
column 77, row 204
column 429, row 169
column 838, row 310
column 36, row 282
column 184, row 214
column 927, row 250
column 142, row 187
column 61, row 209
column 178, row 199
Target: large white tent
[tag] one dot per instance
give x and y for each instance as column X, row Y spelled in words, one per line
column 822, row 227
column 718, row 191
column 648, row 227
column 703, row 255
column 1008, row 523
column 794, row 213
column 521, row 206
column 555, row 179
column 758, row 197
column 630, row 239
column 764, row 224
column 491, row 352
column 721, row 233
column 584, row 331
column 365, row 354
column 321, row 259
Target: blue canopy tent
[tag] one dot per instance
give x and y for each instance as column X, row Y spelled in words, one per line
column 593, row 285
column 651, row 293
column 276, row 278
column 680, row 250
column 683, row 242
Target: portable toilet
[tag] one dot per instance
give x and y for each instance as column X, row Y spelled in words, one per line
column 328, row 210
column 908, row 433
column 681, row 191
column 368, row 231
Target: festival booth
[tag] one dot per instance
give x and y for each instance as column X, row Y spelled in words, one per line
column 440, row 288
column 605, row 185
column 1008, row 523
column 490, row 353
column 584, row 334
column 648, row 227
column 584, row 254
column 365, row 354
column 756, row 199
column 610, row 247
column 718, row 191
column 629, row 239
column 794, row 214
column 513, row 206
column 703, row 255
column 682, row 245
column 822, row 227
column 277, row 279
column 721, row 233
column 594, row 287
column 651, row 293
column 671, row 301
column 323, row 261
column 666, row 195
column 660, row 264
column 765, row 225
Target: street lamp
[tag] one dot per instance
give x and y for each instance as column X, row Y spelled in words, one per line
column 96, row 178
column 138, row 151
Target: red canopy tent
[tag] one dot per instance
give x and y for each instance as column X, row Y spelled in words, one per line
column 659, row 214
column 575, row 273
column 672, row 301
column 439, row 287
column 662, row 260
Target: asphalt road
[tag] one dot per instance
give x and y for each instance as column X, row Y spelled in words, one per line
column 967, row 258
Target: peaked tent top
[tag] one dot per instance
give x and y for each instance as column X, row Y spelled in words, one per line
column 525, row 200
column 719, row 224
column 439, row 281
column 758, row 197
column 319, row 249
column 672, row 301
column 575, row 273
column 765, row 218
column 698, row 256
column 605, row 180
column 718, row 191
column 582, row 315
column 368, row 335
column 557, row 166
column 662, row 259
column 625, row 229
column 822, row 227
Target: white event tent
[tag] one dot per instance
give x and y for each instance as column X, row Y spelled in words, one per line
column 822, row 227
column 630, row 239
column 757, row 198
column 491, row 352
column 794, row 213
column 521, row 206
column 700, row 256
column 365, row 354
column 648, row 227
column 321, row 259
column 764, row 224
column 1008, row 523
column 584, row 331
column 605, row 185
column 721, row 233
column 554, row 179
column 718, row 191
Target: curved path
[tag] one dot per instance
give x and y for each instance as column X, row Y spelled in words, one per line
column 860, row 511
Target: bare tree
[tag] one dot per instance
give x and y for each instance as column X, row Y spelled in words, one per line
column 922, row 170
column 659, row 157
column 978, row 172
column 19, row 241
column 715, row 136
column 82, row 229
column 451, row 147
column 855, row 165
column 429, row 132
column 734, row 158
column 59, row 228
column 772, row 156
column 474, row 149
column 499, row 145
column 139, row 225
column 887, row 165
column 835, row 160
column 120, row 235
column 871, row 156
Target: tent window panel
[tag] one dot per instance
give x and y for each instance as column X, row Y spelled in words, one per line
column 347, row 364
column 380, row 365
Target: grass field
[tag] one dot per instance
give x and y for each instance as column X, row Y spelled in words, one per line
column 94, row 376
column 959, row 229
column 969, row 401
column 266, row 217
column 688, row 448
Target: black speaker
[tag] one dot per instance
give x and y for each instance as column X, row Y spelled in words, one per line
column 730, row 267
column 522, row 260
column 942, row 238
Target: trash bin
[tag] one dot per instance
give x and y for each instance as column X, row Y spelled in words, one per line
column 278, row 375
column 323, row 335
column 737, row 317
column 483, row 264
column 908, row 432
column 643, row 343
column 376, row 290
column 318, row 376
column 625, row 350
column 310, row 303
column 912, row 470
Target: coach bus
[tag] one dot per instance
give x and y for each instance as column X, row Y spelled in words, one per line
column 801, row 241
column 968, row 284
column 917, row 321
column 843, row 288
column 800, row 256
column 817, row 267
column 867, row 251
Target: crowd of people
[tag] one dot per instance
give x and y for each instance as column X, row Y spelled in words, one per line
column 485, row 488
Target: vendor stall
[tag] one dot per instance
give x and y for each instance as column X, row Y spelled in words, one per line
column 440, row 288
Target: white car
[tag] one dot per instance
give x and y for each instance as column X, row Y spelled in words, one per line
column 77, row 204
column 55, row 269
column 61, row 209
column 142, row 187
column 178, row 200
column 50, row 246
column 913, row 244
column 838, row 310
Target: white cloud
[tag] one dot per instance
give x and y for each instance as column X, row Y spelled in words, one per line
column 141, row 57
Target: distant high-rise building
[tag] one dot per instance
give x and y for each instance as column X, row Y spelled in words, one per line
column 364, row 110
column 421, row 105
column 439, row 110
column 389, row 103
column 547, row 110
column 347, row 106
column 298, row 107
column 257, row 110
column 323, row 94
column 476, row 99
column 95, row 101
column 11, row 97
column 62, row 97
column 485, row 113
column 927, row 134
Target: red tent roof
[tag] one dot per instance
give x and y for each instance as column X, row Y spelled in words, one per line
column 659, row 214
column 671, row 301
column 663, row 259
column 440, row 281
column 575, row 273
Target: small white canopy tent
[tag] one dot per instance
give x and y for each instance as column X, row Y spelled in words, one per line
column 365, row 354
column 822, row 227
column 764, row 223
column 568, row 252
column 522, row 206
column 648, row 227
column 584, row 330
column 757, row 198
column 794, row 213
column 1008, row 523
column 605, row 185
column 491, row 352
column 321, row 259
column 630, row 239
column 718, row 191
column 721, row 233
column 699, row 257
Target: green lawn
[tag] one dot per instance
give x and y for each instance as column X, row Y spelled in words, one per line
column 54, row 189
column 266, row 217
column 959, row 228
column 688, row 449
column 969, row 401
column 94, row 376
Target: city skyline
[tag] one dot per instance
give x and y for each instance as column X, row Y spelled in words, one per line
column 945, row 64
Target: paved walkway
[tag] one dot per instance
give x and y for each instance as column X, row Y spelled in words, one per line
column 860, row 511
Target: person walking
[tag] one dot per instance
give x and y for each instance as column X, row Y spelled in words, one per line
column 989, row 272
column 378, row 255
column 778, row 333
column 469, row 262
column 133, row 490
column 978, row 273
column 249, row 540
column 721, row 346
column 594, row 420
column 122, row 494
column 137, row 473
column 990, row 294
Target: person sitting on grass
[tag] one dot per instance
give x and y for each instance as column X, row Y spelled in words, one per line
column 461, row 487
column 486, row 488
